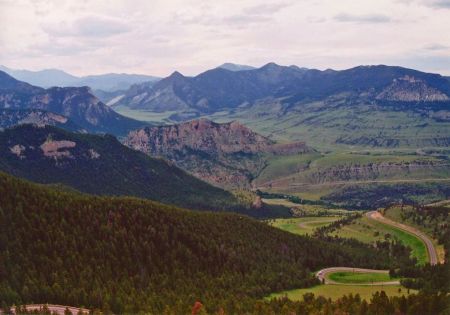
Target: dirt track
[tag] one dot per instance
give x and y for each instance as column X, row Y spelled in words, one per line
column 432, row 255
column 59, row 309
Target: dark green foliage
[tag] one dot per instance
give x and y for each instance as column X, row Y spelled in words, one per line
column 131, row 255
column 431, row 218
column 379, row 304
column 117, row 170
column 379, row 196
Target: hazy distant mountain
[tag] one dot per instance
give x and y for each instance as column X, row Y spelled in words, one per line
column 235, row 67
column 212, row 90
column 54, row 77
column 219, row 88
column 76, row 103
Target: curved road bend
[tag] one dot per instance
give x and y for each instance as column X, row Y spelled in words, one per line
column 58, row 309
column 432, row 255
column 321, row 275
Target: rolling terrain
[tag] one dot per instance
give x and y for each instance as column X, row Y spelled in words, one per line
column 127, row 255
column 102, row 165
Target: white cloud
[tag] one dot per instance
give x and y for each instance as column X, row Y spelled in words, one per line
column 87, row 26
column 160, row 36
column 365, row 18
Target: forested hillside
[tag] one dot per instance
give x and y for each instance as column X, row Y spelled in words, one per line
column 102, row 165
column 130, row 255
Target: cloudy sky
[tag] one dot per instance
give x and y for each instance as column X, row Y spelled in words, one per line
column 157, row 37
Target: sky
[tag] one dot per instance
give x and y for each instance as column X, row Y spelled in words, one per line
column 158, row 37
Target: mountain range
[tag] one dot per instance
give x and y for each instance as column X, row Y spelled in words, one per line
column 220, row 89
column 75, row 103
column 54, row 77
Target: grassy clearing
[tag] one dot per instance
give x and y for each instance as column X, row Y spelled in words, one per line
column 335, row 291
column 144, row 115
column 369, row 231
column 308, row 210
column 359, row 277
column 302, row 226
column 394, row 213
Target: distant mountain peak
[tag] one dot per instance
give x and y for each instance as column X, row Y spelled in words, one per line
column 235, row 67
column 271, row 65
column 176, row 74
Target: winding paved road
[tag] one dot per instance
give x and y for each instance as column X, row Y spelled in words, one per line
column 321, row 275
column 375, row 215
column 432, row 255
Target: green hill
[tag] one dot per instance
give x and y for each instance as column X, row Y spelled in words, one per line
column 102, row 165
column 130, row 255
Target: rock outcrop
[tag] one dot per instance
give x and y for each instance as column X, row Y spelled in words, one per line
column 228, row 154
column 411, row 89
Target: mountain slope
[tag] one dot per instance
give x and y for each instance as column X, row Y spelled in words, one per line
column 125, row 255
column 10, row 118
column 53, row 77
column 220, row 89
column 101, row 165
column 212, row 90
column 228, row 155
column 77, row 104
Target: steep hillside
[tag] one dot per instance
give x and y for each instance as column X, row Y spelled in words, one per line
column 224, row 154
column 101, row 165
column 127, row 255
column 77, row 104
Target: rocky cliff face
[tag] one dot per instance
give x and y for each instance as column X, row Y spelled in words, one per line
column 227, row 155
column 411, row 89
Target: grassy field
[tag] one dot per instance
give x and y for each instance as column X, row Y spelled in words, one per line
column 328, row 127
column 143, row 115
column 316, row 175
column 335, row 291
column 359, row 277
column 302, row 226
column 369, row 231
column 394, row 213
column 308, row 210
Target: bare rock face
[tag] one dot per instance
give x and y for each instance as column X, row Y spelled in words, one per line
column 410, row 89
column 202, row 135
column 228, row 155
column 18, row 150
column 57, row 149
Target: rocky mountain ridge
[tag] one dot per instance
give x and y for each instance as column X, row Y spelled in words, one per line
column 227, row 154
column 220, row 89
column 76, row 103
